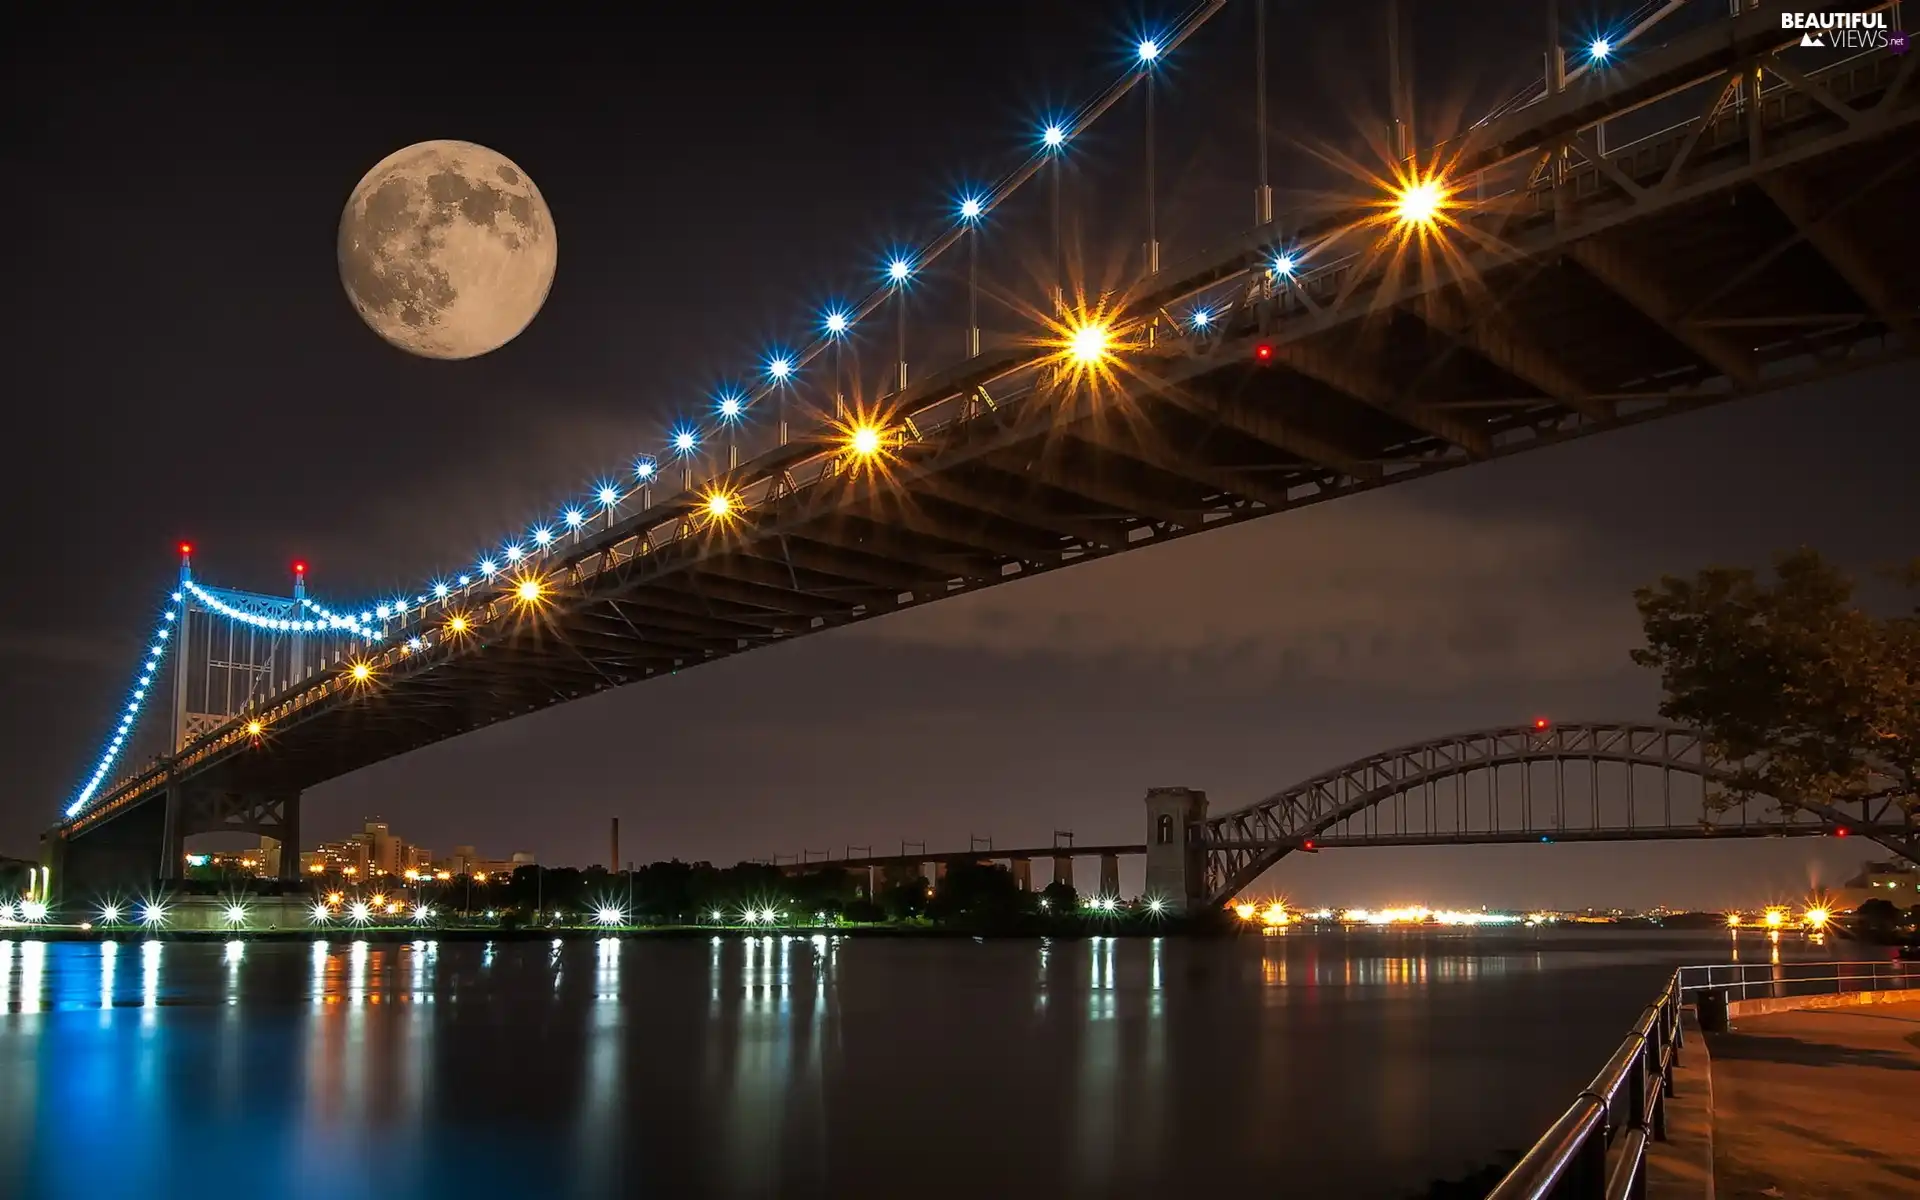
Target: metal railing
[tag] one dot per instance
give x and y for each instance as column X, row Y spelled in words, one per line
column 1760, row 981
column 1627, row 1098
column 1626, row 1102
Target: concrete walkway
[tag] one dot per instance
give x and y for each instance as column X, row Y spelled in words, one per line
column 1818, row 1105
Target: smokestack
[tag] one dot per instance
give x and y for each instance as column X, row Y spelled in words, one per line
column 614, row 862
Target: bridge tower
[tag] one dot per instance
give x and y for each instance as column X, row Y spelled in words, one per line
column 1176, row 861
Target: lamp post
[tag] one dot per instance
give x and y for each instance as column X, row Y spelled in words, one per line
column 1149, row 54
column 1055, row 139
column 971, row 211
column 1262, row 194
column 899, row 271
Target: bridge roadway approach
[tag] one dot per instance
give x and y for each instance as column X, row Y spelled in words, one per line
column 1646, row 243
column 1544, row 783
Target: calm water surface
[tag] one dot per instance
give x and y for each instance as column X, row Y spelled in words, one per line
column 1360, row 1064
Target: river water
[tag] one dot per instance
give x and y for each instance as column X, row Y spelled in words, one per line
column 1350, row 1064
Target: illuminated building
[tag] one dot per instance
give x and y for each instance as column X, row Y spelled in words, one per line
column 1895, row 882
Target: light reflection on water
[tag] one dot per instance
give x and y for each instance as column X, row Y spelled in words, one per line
column 750, row 1065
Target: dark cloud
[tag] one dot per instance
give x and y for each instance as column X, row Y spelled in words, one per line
column 1377, row 591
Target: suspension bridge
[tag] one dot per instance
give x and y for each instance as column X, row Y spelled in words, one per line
column 1681, row 210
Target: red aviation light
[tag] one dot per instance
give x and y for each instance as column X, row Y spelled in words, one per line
column 1263, row 353
column 299, row 568
column 1541, row 723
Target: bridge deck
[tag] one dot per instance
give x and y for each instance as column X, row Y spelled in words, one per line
column 1722, row 258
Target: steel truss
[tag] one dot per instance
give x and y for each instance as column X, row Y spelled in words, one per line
column 1607, row 274
column 1564, row 783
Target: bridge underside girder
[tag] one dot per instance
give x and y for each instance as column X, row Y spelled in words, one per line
column 1682, row 271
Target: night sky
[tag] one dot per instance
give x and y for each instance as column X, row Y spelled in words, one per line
column 181, row 363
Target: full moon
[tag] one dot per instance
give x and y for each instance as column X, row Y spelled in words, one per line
column 447, row 249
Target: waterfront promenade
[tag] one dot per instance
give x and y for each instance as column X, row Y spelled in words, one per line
column 1818, row 1103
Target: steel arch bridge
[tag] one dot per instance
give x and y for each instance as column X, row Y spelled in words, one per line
column 1679, row 225
column 1581, row 782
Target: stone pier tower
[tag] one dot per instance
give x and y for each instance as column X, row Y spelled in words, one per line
column 1176, row 865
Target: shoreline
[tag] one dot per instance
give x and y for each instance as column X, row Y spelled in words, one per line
column 1158, row 928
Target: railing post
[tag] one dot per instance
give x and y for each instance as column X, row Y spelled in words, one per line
column 1588, row 1178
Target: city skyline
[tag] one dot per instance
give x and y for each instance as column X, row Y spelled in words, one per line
column 1236, row 663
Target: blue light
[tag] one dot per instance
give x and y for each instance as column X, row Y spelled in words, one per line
column 383, row 612
column 644, row 468
column 489, row 568
column 972, row 208
column 542, row 536
column 779, row 367
column 1201, row 318
column 608, row 495
column 899, row 270
column 1149, row 50
column 730, row 405
column 440, row 591
column 1054, row 136
column 685, row 440
column 836, row 322
column 1599, row 49
column 464, row 580
column 1284, row 266
column 574, row 518
column 515, row 553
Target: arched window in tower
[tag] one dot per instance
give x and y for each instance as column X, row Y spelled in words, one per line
column 1163, row 833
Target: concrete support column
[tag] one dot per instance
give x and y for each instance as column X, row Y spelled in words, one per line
column 1110, row 875
column 1063, row 869
column 289, row 837
column 1023, row 874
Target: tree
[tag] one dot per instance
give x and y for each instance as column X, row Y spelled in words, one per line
column 1801, row 693
column 904, row 899
column 978, row 893
column 1061, row 898
column 1877, row 919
